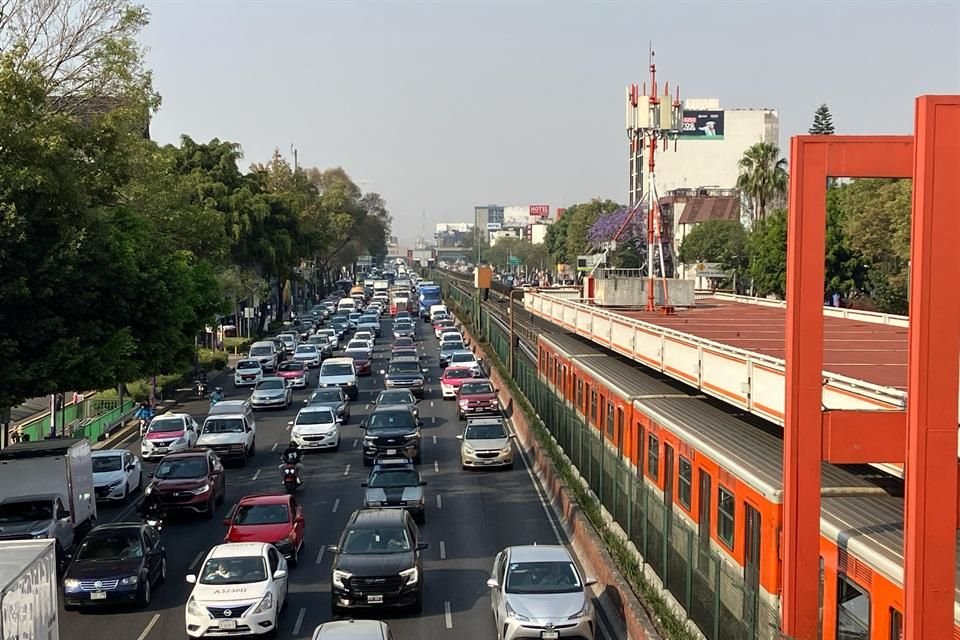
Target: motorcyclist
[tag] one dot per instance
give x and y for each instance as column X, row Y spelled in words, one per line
column 216, row 396
column 150, row 508
column 200, row 382
column 144, row 414
column 292, row 455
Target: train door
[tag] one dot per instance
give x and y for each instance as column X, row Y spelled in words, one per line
column 668, row 479
column 706, row 490
column 751, row 569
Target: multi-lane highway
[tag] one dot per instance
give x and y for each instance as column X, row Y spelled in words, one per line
column 470, row 517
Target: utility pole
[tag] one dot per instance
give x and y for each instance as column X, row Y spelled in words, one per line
column 293, row 150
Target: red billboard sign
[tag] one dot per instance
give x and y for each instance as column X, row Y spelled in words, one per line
column 542, row 210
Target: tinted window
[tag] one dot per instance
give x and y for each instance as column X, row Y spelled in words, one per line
column 469, row 388
column 182, row 468
column 270, row 384
column 29, row 511
column 390, row 420
column 485, row 432
column 386, row 539
column 261, row 351
column 248, row 364
column 103, row 464
column 542, row 577
column 853, row 611
column 315, row 417
column 458, row 373
column 336, row 369
column 452, row 345
column 223, row 425
column 394, row 478
column 326, row 395
column 243, row 570
column 114, row 546
column 251, row 514
column 395, row 397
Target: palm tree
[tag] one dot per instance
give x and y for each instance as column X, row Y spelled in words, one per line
column 763, row 176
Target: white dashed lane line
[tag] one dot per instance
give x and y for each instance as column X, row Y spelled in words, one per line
column 299, row 622
column 257, row 474
column 346, row 471
column 434, row 439
column 196, row 559
column 336, row 505
column 447, row 617
column 443, row 551
column 320, row 555
column 274, row 447
column 439, row 502
column 149, row 627
column 355, row 441
column 436, row 466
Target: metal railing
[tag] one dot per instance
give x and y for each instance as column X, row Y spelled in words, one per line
column 90, row 419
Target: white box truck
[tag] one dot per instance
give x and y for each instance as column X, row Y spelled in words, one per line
column 28, row 590
column 46, row 491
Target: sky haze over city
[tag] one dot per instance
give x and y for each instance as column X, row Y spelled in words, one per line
column 441, row 106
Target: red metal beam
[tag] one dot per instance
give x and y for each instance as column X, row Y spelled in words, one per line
column 934, row 362
column 862, row 437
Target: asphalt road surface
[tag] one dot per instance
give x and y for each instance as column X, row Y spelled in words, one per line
column 470, row 517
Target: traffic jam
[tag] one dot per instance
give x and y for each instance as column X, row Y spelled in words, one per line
column 342, row 396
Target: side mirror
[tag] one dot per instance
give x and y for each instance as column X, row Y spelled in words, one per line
column 150, row 475
column 382, row 372
column 460, row 437
column 363, row 425
column 290, row 422
column 191, row 578
column 590, row 581
column 419, row 422
column 513, row 436
column 423, row 483
column 279, row 573
column 422, row 545
column 332, row 548
column 363, row 484
column 226, row 522
column 425, row 370
column 493, row 584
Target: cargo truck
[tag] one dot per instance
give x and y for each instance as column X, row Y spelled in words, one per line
column 28, row 590
column 47, row 491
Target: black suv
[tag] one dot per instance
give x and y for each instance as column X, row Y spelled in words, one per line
column 378, row 562
column 396, row 484
column 391, row 431
column 405, row 373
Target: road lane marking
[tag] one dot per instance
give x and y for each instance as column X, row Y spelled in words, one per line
column 346, row 471
column 434, row 420
column 431, row 404
column 149, row 627
column 447, row 618
column 434, row 439
column 320, row 555
column 336, row 505
column 257, row 474
column 443, row 551
column 439, row 502
column 355, row 441
column 299, row 622
column 367, row 408
column 274, row 447
column 196, row 559
column 436, row 467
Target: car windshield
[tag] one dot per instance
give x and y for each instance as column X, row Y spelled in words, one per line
column 403, row 342
column 291, row 366
column 370, row 319
column 362, row 335
column 287, row 339
column 358, row 344
column 542, row 577
column 395, row 397
column 114, row 546
column 182, row 468
column 241, row 570
column 261, row 351
column 166, row 425
column 307, row 348
column 391, row 478
column 315, row 417
column 377, row 541
column 390, row 420
column 458, row 373
column 462, row 357
column 405, row 353
column 452, row 345
column 270, row 385
column 27, row 511
column 471, row 388
column 326, row 332
column 358, row 354
column 103, row 464
column 354, row 316
column 403, row 326
column 336, row 369
column 223, row 425
column 485, row 432
column 250, row 514
column 404, row 367
column 326, row 395
column 248, row 364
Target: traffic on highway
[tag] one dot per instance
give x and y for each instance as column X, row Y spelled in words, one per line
column 357, row 480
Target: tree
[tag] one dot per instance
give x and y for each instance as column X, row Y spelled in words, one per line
column 822, row 122
column 763, row 177
column 767, row 248
column 555, row 241
column 582, row 217
column 717, row 241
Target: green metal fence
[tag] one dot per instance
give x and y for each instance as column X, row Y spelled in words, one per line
column 709, row 587
column 89, row 419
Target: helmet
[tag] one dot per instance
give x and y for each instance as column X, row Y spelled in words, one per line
column 293, row 444
column 219, row 390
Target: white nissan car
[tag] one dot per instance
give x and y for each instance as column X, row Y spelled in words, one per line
column 240, row 589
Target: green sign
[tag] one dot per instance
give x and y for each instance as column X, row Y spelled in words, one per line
column 515, row 261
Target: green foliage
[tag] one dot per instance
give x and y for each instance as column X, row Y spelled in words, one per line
column 555, row 241
column 768, row 255
column 763, row 177
column 532, row 256
column 582, row 216
column 213, row 360
column 822, row 122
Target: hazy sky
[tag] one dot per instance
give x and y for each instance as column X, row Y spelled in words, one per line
column 440, row 106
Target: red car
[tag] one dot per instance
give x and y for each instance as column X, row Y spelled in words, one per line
column 403, row 343
column 453, row 377
column 477, row 398
column 361, row 361
column 189, row 480
column 276, row 519
column 295, row 373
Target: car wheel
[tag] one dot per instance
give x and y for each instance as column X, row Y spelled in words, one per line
column 126, row 492
column 211, row 507
column 253, row 448
column 418, row 603
column 417, row 459
column 163, row 570
column 295, row 558
column 144, row 599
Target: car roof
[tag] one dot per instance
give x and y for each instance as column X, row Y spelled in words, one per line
column 105, row 453
column 265, row 498
column 196, row 452
column 115, row 526
column 352, row 630
column 338, row 360
column 486, row 420
column 374, row 517
column 539, row 553
column 315, row 408
column 404, row 359
column 234, row 549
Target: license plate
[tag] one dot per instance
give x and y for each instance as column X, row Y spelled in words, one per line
column 549, row 634
column 98, row 595
column 230, row 625
column 161, row 450
column 374, row 599
column 391, row 452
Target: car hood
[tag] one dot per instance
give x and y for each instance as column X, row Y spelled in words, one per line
column 22, row 528
column 230, row 592
column 394, row 495
column 104, row 478
column 269, row 533
column 219, row 438
column 487, row 444
column 180, row 484
column 392, row 433
column 306, row 356
column 452, row 382
column 94, row 569
column 383, row 564
column 314, row 429
column 336, row 379
column 268, row 393
column 545, row 607
column 164, row 435
column 291, row 374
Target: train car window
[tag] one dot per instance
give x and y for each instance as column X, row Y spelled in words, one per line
column 579, row 385
column 543, row 360
column 610, row 432
column 593, row 406
column 725, row 515
column 653, row 457
column 896, row 624
column 853, row 611
column 685, row 482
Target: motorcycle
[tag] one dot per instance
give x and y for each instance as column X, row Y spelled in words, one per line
column 156, row 522
column 290, row 479
column 200, row 388
column 144, row 424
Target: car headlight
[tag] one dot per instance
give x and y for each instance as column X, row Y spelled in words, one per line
column 512, row 613
column 181, row 440
column 201, row 490
column 71, row 583
column 265, row 605
column 464, row 404
column 115, row 483
column 339, row 577
column 468, row 449
column 148, row 490
column 369, row 439
column 412, row 575
column 194, row 609
column 584, row 611
column 506, row 448
column 295, row 432
column 129, row 580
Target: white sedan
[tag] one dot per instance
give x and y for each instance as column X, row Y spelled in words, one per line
column 308, row 354
column 240, row 590
column 168, row 433
column 116, row 474
column 316, row 427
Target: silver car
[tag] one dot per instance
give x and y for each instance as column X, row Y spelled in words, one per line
column 405, row 397
column 537, row 592
column 271, row 391
column 486, row 443
column 332, row 397
column 353, row 630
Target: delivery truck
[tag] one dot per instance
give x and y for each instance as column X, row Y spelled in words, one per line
column 28, row 590
column 46, row 491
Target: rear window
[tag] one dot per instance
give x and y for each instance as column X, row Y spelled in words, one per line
column 336, row 369
column 452, row 345
column 403, row 367
column 248, row 364
column 458, row 373
column 469, row 388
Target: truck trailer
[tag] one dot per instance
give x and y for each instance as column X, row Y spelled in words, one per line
column 28, row 590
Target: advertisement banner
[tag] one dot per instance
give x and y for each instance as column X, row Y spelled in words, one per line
column 707, row 125
column 494, row 226
column 541, row 210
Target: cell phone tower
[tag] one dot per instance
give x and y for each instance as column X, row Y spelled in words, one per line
column 653, row 119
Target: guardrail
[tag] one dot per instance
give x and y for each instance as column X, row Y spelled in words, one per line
column 89, row 419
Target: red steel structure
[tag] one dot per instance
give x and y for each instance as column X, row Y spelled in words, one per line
column 928, row 428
